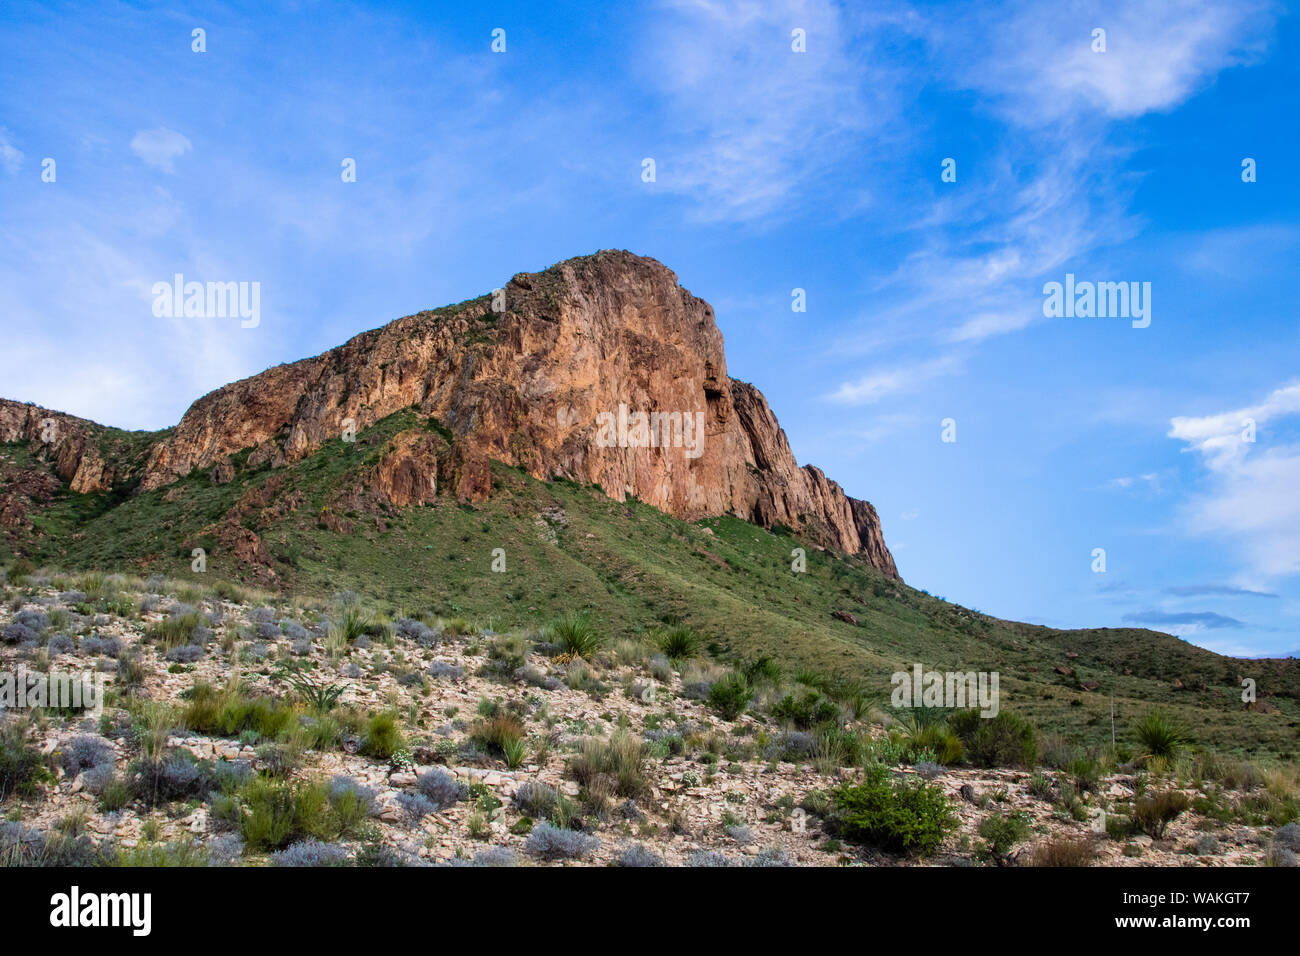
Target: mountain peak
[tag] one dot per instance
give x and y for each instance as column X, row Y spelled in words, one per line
column 601, row 369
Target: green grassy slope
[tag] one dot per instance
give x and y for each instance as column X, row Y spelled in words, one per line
column 633, row 567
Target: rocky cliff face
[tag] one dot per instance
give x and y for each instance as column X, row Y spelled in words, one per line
column 559, row 373
column 65, row 441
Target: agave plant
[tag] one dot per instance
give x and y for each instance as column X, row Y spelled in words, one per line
column 317, row 695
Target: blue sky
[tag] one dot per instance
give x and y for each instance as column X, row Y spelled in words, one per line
column 775, row 170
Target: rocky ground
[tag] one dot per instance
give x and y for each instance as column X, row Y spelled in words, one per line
column 711, row 791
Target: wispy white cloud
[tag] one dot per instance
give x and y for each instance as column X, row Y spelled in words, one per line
column 1150, row 481
column 11, row 157
column 883, row 383
column 160, row 147
column 1252, row 500
column 1158, row 53
column 754, row 123
column 1225, row 438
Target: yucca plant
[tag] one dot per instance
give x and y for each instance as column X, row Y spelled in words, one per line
column 514, row 750
column 354, row 623
column 679, row 642
column 575, row 634
column 1160, row 735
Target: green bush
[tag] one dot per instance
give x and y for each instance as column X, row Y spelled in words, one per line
column 229, row 713
column 173, row 631
column 938, row 740
column 1007, row 740
column 382, row 738
column 22, row 768
column 897, row 817
column 729, row 696
column 277, row 813
column 498, row 733
column 620, row 758
column 1002, row 831
column 806, row 711
column 1153, row 813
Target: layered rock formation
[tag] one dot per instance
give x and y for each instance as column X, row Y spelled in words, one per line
column 551, row 374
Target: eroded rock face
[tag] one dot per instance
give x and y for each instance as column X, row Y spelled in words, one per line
column 64, row 440
column 554, row 383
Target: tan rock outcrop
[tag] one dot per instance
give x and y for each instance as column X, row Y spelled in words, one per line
column 555, row 382
column 65, row 440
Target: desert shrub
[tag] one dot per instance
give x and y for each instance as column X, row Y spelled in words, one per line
column 762, row 670
column 173, row 630
column 678, row 642
column 792, row 746
column 21, row 568
column 1064, row 851
column 549, row 842
column 34, row 620
column 1007, row 740
column 382, row 737
column 228, row 712
column 22, row 768
column 1042, row 786
column 661, row 669
column 1287, row 837
column 574, row 634
column 24, row 846
column 729, row 695
column 620, row 758
column 535, row 799
column 1153, row 812
column 1159, row 735
column 772, row 856
column 493, row 856
column 807, row 710
column 185, row 654
column 635, row 854
column 84, row 753
column 740, row 833
column 277, row 813
column 105, row 646
column 60, row 644
column 416, row 806
column 707, row 858
column 130, row 669
column 1002, row 831
column 352, row 801
column 837, row 747
column 279, row 759
column 900, row 818
column 509, row 651
column 1207, row 844
column 417, row 631
column 497, row 733
column 936, row 739
column 442, row 788
column 443, row 669
column 175, row 853
column 175, row 775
